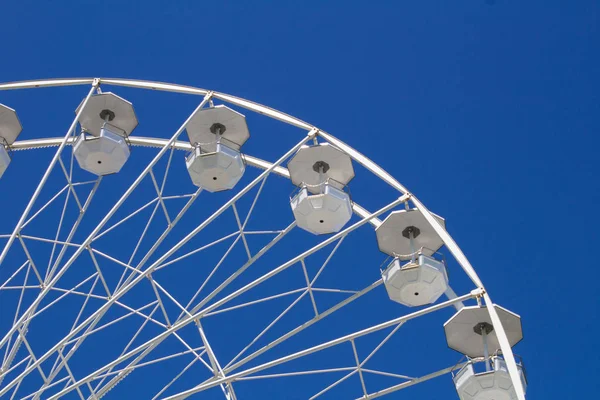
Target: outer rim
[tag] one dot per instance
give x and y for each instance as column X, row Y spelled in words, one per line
column 354, row 154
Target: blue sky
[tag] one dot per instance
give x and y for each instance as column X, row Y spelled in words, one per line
column 486, row 110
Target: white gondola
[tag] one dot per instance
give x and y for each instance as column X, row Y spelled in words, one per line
column 416, row 283
column 10, row 128
column 321, row 172
column 215, row 170
column 106, row 122
column 216, row 134
column 102, row 155
column 324, row 212
column 487, row 380
column 407, row 236
column 470, row 332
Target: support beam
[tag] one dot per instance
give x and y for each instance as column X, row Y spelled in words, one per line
column 411, row 382
column 282, row 360
column 159, row 338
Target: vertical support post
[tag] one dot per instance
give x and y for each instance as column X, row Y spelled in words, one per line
column 411, row 237
column 486, row 351
column 219, row 135
column 321, row 180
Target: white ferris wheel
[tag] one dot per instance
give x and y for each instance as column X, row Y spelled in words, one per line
column 209, row 263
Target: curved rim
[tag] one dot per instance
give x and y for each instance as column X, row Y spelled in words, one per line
column 313, row 130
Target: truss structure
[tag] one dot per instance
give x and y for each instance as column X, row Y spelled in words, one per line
column 174, row 310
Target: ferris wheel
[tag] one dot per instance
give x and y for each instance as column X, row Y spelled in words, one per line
column 216, row 261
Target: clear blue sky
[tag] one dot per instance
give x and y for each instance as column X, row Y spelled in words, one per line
column 486, row 110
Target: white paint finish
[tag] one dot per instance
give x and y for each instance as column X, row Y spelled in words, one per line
column 152, row 85
column 462, row 338
column 322, row 213
column 101, row 155
column 490, row 385
column 416, row 284
column 43, row 83
column 361, row 212
column 215, row 171
column 264, row 110
column 4, row 160
column 10, row 126
column 124, row 114
column 236, row 130
column 499, row 364
column 409, row 383
column 452, row 295
column 335, row 342
column 302, row 171
column 392, row 242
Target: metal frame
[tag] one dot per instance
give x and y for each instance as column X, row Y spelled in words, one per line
column 222, row 375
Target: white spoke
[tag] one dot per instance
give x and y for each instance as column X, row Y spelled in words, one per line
column 122, row 221
column 358, row 367
column 31, row 263
column 250, row 303
column 198, row 250
column 323, row 346
column 266, row 329
column 387, row 374
column 140, row 329
column 145, row 364
column 168, row 385
column 26, row 263
column 334, row 384
column 299, row 373
column 302, row 327
column 411, row 382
